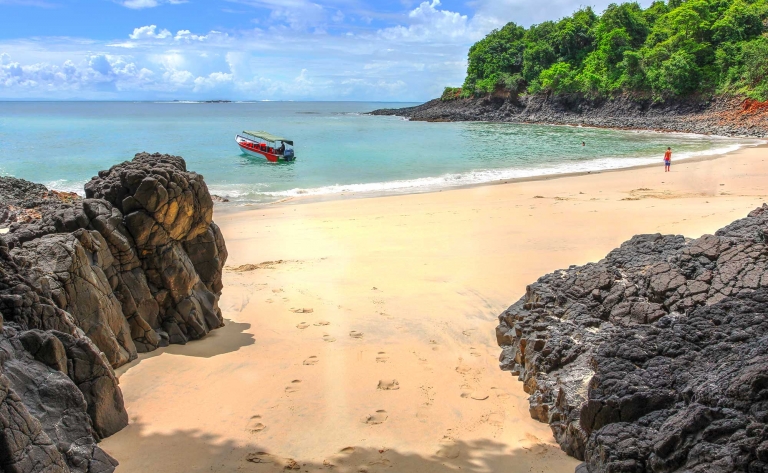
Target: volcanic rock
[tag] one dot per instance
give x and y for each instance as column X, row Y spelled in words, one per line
column 720, row 115
column 86, row 285
column 654, row 359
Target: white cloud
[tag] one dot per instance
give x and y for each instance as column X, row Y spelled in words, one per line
column 188, row 36
column 305, row 53
column 429, row 22
column 214, row 80
column 178, row 78
column 149, row 32
column 97, row 72
column 141, row 4
column 99, row 63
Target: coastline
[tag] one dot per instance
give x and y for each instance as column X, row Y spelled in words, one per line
column 722, row 115
column 410, row 287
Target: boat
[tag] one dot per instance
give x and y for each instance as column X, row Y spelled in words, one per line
column 263, row 144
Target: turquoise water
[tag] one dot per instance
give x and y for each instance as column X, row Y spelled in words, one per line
column 338, row 148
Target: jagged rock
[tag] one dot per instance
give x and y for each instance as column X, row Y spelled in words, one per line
column 654, row 359
column 85, row 285
column 167, row 212
column 58, row 394
column 70, row 269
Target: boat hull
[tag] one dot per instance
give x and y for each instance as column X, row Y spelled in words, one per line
column 252, row 149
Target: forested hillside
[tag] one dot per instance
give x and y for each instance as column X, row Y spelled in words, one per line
column 668, row 50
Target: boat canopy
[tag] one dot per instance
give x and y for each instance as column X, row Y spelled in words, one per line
column 263, row 135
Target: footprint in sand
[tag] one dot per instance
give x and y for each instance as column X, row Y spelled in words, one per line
column 477, row 395
column 500, row 393
column 266, row 458
column 434, row 345
column 496, row 419
column 382, row 357
column 388, row 385
column 302, row 310
column 339, row 458
column 254, row 425
column 468, row 332
column 277, row 290
column 269, row 301
column 311, row 361
column 293, row 387
column 356, row 334
column 377, row 417
column 328, row 338
column 448, row 448
column 302, row 325
column 463, row 369
column 322, row 323
column 473, row 351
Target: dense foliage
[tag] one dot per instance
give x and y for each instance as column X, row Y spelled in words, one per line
column 669, row 49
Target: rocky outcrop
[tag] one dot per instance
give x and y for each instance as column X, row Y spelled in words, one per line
column 86, row 285
column 727, row 116
column 654, row 359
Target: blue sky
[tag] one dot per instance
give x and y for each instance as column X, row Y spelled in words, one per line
column 248, row 49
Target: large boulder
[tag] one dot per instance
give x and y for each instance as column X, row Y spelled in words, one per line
column 86, row 285
column 168, row 214
column 654, row 359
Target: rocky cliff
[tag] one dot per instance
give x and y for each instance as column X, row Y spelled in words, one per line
column 654, row 359
column 726, row 116
column 85, row 285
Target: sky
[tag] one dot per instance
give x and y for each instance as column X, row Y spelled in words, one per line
column 371, row 50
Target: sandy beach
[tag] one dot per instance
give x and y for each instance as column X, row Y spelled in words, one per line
column 360, row 332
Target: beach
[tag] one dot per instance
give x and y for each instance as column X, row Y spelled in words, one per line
column 360, row 336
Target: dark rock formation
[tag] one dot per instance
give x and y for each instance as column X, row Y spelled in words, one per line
column 721, row 115
column 85, row 285
column 654, row 359
column 168, row 215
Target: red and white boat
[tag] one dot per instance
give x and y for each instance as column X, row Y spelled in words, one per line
column 265, row 145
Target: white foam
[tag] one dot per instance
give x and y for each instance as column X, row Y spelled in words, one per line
column 426, row 184
column 63, row 185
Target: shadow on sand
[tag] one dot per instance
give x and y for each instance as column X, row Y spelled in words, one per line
column 192, row 450
column 227, row 339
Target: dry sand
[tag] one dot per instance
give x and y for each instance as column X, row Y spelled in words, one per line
column 360, row 332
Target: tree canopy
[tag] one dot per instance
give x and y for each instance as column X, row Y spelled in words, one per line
column 667, row 50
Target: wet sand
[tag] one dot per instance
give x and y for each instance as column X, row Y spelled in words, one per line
column 360, row 332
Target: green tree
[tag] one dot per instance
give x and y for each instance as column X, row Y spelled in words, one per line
column 668, row 49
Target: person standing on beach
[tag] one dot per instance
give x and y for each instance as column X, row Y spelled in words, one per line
column 667, row 159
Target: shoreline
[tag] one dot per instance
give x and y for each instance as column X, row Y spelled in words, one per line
column 230, row 207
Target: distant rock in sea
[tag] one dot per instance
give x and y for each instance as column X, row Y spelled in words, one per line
column 654, row 359
column 85, row 285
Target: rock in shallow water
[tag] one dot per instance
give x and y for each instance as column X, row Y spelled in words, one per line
column 85, row 285
column 654, row 359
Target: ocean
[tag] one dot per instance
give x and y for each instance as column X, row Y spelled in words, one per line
column 339, row 148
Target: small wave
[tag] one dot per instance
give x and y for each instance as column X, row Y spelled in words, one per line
column 483, row 176
column 64, row 185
